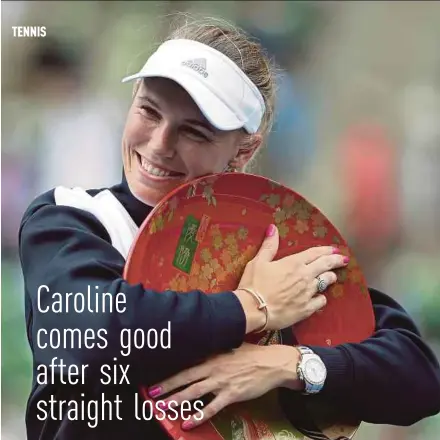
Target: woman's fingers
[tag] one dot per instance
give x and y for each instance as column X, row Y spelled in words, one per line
column 326, row 263
column 316, row 303
column 185, row 377
column 193, row 392
column 221, row 401
column 312, row 254
column 322, row 282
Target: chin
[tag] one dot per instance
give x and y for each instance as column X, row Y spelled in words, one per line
column 152, row 196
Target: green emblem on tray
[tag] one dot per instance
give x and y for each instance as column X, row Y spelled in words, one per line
column 187, row 245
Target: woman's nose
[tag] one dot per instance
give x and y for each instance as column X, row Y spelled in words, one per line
column 162, row 141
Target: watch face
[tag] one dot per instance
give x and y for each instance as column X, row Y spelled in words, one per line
column 315, row 371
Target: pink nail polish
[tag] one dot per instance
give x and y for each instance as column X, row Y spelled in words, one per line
column 270, row 231
column 163, row 405
column 154, row 391
column 346, row 260
column 188, row 424
column 336, row 251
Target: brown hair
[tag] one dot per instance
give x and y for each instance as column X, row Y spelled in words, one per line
column 238, row 46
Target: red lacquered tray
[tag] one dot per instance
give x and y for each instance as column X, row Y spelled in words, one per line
column 201, row 236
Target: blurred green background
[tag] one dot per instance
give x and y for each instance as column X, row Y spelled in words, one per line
column 357, row 132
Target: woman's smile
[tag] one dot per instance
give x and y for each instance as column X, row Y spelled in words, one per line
column 155, row 171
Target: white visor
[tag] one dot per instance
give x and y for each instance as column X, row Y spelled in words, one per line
column 222, row 91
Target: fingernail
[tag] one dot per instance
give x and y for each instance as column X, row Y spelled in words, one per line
column 270, row 231
column 163, row 405
column 154, row 391
column 336, row 251
column 188, row 424
column 346, row 260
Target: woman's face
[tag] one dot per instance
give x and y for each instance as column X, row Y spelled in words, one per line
column 167, row 142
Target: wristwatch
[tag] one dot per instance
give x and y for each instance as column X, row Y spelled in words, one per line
column 311, row 370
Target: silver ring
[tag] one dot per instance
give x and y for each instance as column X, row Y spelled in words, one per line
column 322, row 285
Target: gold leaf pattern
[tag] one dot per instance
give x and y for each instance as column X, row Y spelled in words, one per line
column 288, row 201
column 273, row 200
column 302, row 210
column 165, row 214
column 320, row 231
column 208, row 194
column 227, row 252
column 342, row 275
column 207, row 271
column 233, row 249
column 217, row 242
column 225, row 256
column 280, row 216
column 283, row 230
column 215, row 265
column 174, row 284
column 231, row 240
column 242, row 233
column 301, row 226
column 318, row 219
column 230, row 267
column 203, row 284
column 173, row 203
column 221, row 275
column 206, row 255
column 159, row 222
column 182, row 284
column 193, row 282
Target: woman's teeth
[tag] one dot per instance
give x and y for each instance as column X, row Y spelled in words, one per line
column 153, row 170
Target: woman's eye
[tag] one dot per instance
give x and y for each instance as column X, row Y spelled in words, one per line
column 197, row 135
column 150, row 112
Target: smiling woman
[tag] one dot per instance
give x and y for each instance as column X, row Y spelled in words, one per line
column 168, row 141
column 203, row 103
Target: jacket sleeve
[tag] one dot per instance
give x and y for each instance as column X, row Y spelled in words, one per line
column 392, row 378
column 68, row 250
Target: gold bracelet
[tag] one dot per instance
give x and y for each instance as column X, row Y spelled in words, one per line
column 262, row 305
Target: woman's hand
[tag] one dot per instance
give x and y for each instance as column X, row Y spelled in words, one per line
column 243, row 374
column 289, row 285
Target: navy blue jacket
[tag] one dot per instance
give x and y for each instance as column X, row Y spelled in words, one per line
column 391, row 378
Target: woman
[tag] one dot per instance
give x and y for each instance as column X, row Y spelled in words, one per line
column 203, row 103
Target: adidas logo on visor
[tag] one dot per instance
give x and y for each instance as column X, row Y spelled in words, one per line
column 198, row 64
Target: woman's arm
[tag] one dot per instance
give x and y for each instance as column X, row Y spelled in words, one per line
column 68, row 249
column 392, row 377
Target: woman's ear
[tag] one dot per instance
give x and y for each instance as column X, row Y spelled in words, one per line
column 246, row 150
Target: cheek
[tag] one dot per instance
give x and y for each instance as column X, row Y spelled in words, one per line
column 136, row 131
column 199, row 164
column 206, row 159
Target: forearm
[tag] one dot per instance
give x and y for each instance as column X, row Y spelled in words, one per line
column 392, row 377
column 68, row 251
column 146, row 313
